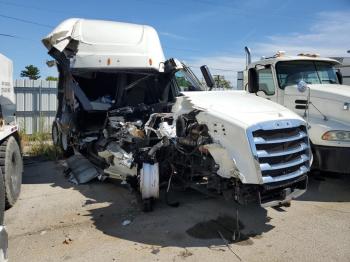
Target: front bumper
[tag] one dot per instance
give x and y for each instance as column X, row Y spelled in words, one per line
column 279, row 193
column 3, row 243
column 332, row 159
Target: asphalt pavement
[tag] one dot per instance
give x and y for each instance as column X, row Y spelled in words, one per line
column 55, row 220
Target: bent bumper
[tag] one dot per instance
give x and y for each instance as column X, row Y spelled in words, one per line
column 332, row 159
column 3, row 244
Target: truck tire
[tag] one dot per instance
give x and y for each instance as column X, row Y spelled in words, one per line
column 2, row 198
column 11, row 164
column 65, row 145
column 55, row 134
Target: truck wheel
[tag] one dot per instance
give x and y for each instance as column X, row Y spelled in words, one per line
column 55, row 134
column 65, row 146
column 11, row 164
column 2, row 198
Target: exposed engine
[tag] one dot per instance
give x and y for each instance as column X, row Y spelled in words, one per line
column 159, row 151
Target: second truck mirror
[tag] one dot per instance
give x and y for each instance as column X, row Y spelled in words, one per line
column 253, row 86
column 340, row 77
column 207, row 76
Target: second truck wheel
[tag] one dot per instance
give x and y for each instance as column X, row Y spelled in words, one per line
column 11, row 164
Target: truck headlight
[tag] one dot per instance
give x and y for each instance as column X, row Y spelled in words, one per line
column 337, row 135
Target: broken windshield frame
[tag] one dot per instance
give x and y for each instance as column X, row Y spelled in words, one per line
column 312, row 72
column 186, row 80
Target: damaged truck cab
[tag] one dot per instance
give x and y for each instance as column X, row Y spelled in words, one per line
column 149, row 121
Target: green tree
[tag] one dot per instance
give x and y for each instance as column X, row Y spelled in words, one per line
column 221, row 82
column 32, row 72
column 51, row 78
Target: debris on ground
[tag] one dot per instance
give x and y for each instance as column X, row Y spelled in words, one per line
column 185, row 253
column 81, row 169
column 126, row 222
column 155, row 250
column 67, row 241
column 228, row 245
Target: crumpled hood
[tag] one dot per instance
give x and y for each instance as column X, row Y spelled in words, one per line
column 340, row 93
column 238, row 106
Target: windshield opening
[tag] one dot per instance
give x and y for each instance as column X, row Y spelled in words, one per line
column 312, row 72
column 186, row 80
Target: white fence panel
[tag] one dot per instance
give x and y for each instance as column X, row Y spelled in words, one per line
column 36, row 103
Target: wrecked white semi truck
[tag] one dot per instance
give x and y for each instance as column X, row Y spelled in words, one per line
column 147, row 120
column 311, row 86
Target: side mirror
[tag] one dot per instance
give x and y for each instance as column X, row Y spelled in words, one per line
column 253, row 85
column 340, row 77
column 207, row 76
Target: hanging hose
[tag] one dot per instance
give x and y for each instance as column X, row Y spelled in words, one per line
column 172, row 204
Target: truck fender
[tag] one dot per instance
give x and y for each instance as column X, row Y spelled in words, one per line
column 227, row 165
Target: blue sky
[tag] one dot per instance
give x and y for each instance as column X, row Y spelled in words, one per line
column 198, row 32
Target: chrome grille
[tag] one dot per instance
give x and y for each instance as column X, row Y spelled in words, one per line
column 281, row 153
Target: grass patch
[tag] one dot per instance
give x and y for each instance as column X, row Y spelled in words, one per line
column 40, row 145
column 46, row 150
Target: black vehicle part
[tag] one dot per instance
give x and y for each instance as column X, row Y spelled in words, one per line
column 55, row 134
column 11, row 164
column 65, row 144
column 2, row 197
column 207, row 76
column 253, row 85
column 147, row 205
column 170, row 203
column 331, row 159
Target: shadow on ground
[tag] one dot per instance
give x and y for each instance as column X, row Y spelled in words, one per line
column 327, row 187
column 198, row 221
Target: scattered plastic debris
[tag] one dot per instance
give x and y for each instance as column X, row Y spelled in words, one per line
column 67, row 241
column 126, row 222
column 82, row 170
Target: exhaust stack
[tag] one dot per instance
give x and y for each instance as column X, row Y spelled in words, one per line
column 247, row 56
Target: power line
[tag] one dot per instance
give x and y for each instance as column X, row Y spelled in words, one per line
column 17, row 37
column 25, row 21
column 7, row 35
column 32, row 7
column 217, row 69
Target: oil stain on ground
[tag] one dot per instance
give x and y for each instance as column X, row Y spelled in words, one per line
column 223, row 225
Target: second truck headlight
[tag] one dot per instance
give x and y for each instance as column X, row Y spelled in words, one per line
column 337, row 135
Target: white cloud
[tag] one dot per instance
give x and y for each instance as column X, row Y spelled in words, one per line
column 329, row 35
column 172, row 35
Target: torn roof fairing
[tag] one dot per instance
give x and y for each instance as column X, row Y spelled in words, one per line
column 107, row 44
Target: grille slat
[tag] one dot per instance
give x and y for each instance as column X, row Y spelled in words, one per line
column 301, row 147
column 282, row 152
column 261, row 140
column 298, row 161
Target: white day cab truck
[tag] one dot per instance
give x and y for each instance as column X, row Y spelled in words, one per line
column 148, row 121
column 11, row 163
column 312, row 87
